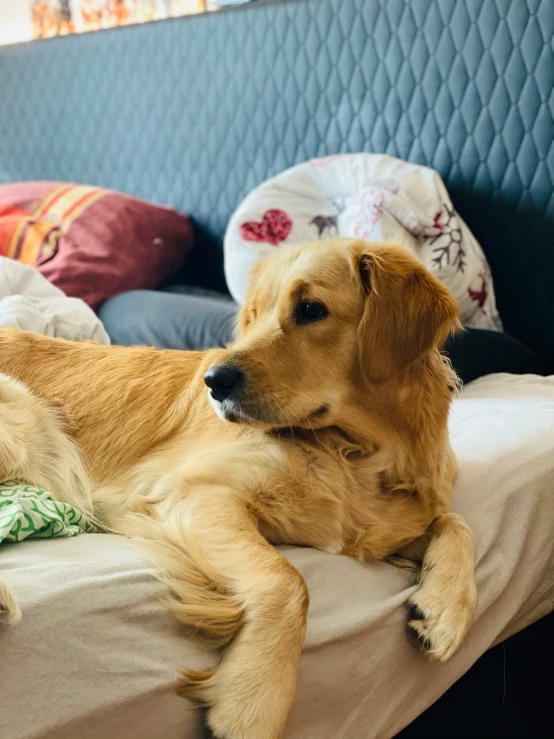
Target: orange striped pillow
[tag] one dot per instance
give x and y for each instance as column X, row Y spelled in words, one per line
column 91, row 242
column 32, row 236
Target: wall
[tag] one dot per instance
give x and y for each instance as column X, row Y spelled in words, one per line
column 15, row 21
column 197, row 111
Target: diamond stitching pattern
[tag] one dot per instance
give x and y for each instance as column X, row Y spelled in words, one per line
column 196, row 112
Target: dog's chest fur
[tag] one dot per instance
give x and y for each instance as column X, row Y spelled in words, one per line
column 304, row 488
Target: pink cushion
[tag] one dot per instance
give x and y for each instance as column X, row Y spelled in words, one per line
column 91, row 242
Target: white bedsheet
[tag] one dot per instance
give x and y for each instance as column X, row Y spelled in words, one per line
column 96, row 656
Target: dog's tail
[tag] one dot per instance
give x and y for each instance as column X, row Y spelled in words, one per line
column 35, row 449
column 197, row 597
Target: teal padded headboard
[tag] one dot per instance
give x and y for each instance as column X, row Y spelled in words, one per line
column 196, row 112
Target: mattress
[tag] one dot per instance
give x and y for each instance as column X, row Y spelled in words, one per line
column 96, row 656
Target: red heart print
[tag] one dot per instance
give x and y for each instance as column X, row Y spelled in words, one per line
column 274, row 227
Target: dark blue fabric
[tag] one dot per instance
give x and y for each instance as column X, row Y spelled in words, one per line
column 196, row 112
column 477, row 352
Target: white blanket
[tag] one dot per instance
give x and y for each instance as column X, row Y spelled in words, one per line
column 29, row 302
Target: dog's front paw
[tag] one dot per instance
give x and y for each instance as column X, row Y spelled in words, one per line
column 441, row 612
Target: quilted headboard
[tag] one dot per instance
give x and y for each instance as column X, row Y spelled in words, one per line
column 196, row 112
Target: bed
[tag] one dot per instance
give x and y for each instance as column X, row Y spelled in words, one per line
column 96, row 656
column 195, row 113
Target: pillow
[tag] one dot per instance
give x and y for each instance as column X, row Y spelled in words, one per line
column 370, row 196
column 90, row 242
column 169, row 320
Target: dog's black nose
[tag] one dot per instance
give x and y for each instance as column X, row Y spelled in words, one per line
column 223, row 381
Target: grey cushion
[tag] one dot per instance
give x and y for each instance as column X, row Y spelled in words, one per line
column 169, row 320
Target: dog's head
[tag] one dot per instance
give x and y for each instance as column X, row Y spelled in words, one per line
column 320, row 322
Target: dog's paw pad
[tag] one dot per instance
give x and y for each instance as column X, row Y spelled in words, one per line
column 415, row 613
column 418, row 628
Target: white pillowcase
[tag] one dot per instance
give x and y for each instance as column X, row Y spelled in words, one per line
column 370, row 196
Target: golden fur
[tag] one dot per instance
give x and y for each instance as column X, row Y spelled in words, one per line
column 338, row 441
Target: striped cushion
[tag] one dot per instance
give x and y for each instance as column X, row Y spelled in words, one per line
column 91, row 242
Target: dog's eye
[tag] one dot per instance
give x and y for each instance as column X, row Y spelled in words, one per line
column 307, row 312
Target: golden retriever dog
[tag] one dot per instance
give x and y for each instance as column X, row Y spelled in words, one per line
column 324, row 424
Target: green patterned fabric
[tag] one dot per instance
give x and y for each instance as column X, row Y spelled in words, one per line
column 26, row 511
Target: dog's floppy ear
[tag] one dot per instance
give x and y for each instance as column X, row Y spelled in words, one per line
column 407, row 310
column 247, row 313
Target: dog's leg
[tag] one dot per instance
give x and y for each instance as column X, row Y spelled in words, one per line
column 208, row 547
column 443, row 607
